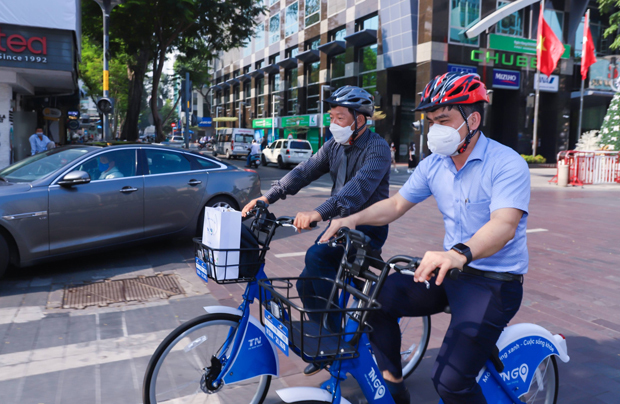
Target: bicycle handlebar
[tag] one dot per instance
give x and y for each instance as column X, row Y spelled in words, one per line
column 412, row 263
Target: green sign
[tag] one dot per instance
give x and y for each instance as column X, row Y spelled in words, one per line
column 262, row 123
column 506, row 59
column 302, row 120
column 326, row 120
column 518, row 45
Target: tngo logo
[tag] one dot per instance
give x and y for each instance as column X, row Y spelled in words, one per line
column 521, row 372
column 374, row 381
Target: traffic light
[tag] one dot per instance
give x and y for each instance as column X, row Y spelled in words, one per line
column 105, row 105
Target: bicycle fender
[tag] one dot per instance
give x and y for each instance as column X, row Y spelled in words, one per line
column 223, row 309
column 257, row 355
column 296, row 394
column 522, row 347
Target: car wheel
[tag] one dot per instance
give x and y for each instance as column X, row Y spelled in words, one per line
column 224, row 202
column 4, row 255
column 263, row 160
column 228, row 155
column 214, row 153
column 281, row 163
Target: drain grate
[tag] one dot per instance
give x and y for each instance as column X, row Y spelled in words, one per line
column 125, row 290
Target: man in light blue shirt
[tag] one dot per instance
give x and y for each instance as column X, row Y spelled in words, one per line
column 482, row 189
column 38, row 142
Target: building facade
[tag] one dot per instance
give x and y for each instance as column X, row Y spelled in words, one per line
column 392, row 48
column 39, row 54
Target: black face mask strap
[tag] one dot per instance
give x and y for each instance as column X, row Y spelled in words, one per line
column 470, row 134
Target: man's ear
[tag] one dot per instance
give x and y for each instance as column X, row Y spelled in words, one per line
column 361, row 120
column 475, row 120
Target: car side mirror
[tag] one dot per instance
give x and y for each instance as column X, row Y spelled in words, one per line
column 74, row 178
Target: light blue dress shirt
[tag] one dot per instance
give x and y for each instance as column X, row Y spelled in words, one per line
column 38, row 145
column 494, row 177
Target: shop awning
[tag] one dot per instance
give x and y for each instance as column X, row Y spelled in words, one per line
column 490, row 20
column 232, row 82
column 288, row 63
column 362, row 38
column 309, row 56
column 225, row 119
column 224, row 85
column 244, row 77
column 333, row 48
column 216, row 87
column 272, row 69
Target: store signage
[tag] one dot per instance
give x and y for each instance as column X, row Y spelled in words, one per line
column 263, row 123
column 518, row 45
column 303, row 120
column 52, row 113
column 73, row 114
column 506, row 59
column 506, row 79
column 461, row 68
column 206, row 122
column 36, row 48
column 549, row 84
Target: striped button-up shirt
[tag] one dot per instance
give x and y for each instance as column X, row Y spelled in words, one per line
column 367, row 180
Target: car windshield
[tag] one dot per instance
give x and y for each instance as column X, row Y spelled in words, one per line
column 177, row 138
column 244, row 138
column 40, row 165
column 300, row 145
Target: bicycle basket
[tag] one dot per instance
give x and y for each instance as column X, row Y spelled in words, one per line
column 232, row 265
column 323, row 333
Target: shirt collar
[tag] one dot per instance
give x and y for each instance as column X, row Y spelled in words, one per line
column 478, row 153
column 363, row 139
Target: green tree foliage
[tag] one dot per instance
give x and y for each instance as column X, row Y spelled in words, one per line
column 152, row 29
column 610, row 131
column 91, row 73
column 611, row 7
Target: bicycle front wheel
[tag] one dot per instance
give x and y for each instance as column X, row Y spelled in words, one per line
column 544, row 387
column 415, row 333
column 179, row 370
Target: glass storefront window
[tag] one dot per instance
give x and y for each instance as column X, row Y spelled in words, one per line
column 339, row 35
column 274, row 29
column 555, row 19
column 463, row 13
column 313, row 12
column 511, row 25
column 292, row 91
column 313, row 44
column 312, row 87
column 247, row 92
column 259, row 38
column 368, row 68
column 260, row 96
column 274, row 85
column 291, row 19
column 370, row 23
column 337, row 66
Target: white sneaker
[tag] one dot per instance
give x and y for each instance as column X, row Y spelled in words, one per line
column 395, row 170
column 408, row 171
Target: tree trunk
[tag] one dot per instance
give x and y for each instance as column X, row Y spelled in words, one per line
column 130, row 126
column 158, row 67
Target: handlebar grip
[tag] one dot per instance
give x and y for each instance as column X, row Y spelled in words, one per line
column 261, row 204
column 313, row 224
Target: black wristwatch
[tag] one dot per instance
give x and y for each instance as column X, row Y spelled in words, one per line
column 463, row 250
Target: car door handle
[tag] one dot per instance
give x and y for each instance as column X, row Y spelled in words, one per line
column 128, row 189
column 194, row 182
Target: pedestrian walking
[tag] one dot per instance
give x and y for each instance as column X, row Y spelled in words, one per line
column 393, row 154
column 413, row 162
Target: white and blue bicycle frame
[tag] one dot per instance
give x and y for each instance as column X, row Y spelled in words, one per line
column 522, row 348
column 248, row 342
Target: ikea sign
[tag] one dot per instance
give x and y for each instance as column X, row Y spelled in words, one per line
column 506, row 79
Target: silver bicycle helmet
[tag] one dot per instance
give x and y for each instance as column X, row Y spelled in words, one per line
column 354, row 98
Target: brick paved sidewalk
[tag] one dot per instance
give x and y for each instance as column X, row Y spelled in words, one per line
column 571, row 288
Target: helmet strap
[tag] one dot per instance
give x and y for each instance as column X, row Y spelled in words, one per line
column 356, row 131
column 470, row 134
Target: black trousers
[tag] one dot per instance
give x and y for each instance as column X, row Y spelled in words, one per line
column 481, row 309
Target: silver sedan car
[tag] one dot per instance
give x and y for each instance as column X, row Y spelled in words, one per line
column 80, row 198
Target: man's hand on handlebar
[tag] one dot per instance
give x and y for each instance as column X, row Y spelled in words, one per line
column 336, row 225
column 304, row 219
column 251, row 205
column 444, row 260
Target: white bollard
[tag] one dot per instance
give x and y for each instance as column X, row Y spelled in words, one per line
column 562, row 174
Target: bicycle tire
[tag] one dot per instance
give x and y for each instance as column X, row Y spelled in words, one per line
column 551, row 395
column 420, row 335
column 183, row 344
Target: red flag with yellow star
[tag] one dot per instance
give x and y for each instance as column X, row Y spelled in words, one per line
column 549, row 49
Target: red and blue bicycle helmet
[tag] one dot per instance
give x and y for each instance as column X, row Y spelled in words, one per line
column 453, row 89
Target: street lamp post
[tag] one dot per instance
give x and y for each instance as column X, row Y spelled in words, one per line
column 217, row 115
column 106, row 8
column 274, row 97
column 328, row 88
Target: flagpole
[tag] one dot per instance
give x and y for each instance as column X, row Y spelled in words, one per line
column 537, row 87
column 583, row 50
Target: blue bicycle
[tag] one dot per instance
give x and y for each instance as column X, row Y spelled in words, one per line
column 524, row 368
column 226, row 355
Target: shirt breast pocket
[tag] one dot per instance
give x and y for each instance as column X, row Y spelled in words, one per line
column 478, row 214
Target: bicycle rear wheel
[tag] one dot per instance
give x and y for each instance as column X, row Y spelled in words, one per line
column 178, row 369
column 415, row 334
column 544, row 387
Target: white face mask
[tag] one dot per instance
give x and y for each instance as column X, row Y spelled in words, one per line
column 445, row 140
column 341, row 134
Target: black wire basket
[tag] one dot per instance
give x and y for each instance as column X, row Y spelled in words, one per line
column 317, row 329
column 233, row 265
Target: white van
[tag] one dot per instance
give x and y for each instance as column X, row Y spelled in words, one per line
column 233, row 142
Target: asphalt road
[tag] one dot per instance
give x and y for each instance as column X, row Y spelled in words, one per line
column 98, row 354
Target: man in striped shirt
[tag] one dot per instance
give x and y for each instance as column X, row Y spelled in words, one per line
column 358, row 161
